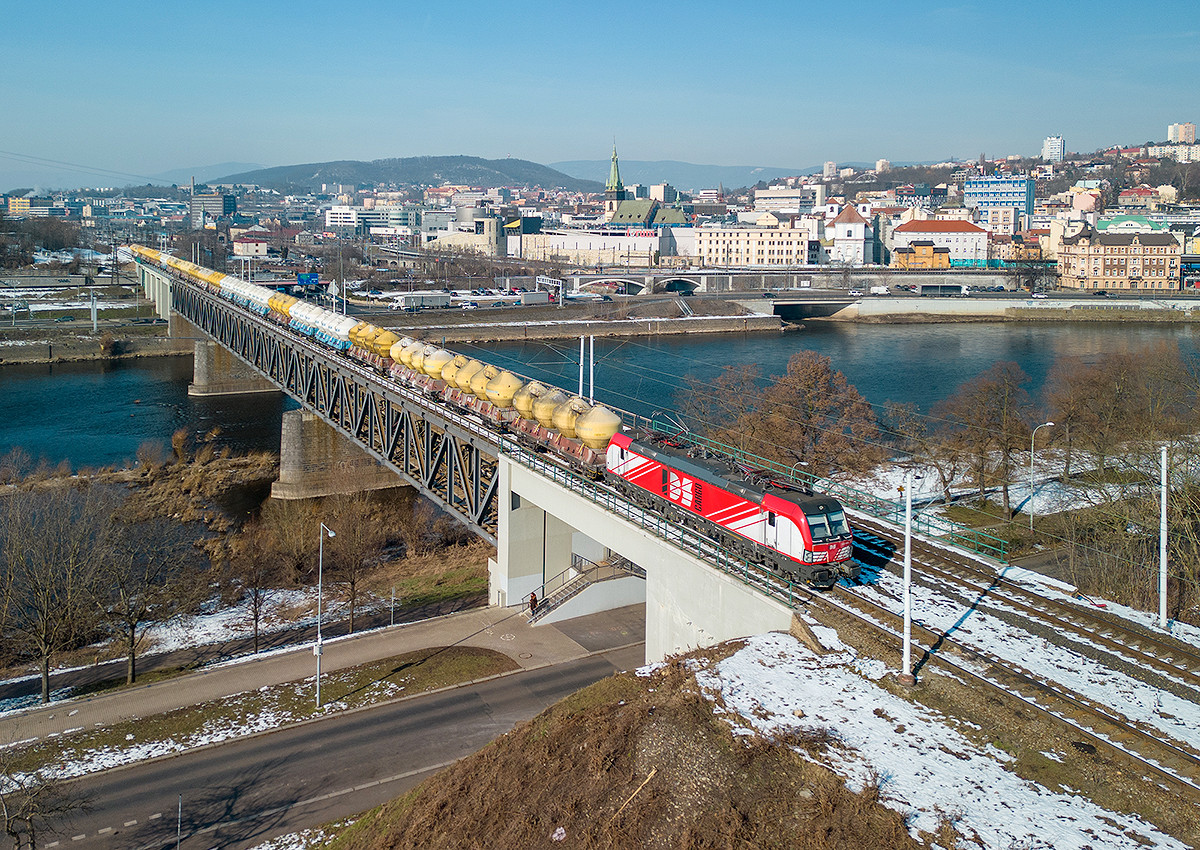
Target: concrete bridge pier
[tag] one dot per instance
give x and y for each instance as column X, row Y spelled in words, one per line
column 216, row 371
column 315, row 460
column 157, row 287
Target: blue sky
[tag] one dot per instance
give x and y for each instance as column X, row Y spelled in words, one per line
column 139, row 88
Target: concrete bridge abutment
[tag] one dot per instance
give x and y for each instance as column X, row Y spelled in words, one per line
column 689, row 603
column 315, row 460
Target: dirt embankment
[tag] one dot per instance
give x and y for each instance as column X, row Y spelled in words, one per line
column 632, row 762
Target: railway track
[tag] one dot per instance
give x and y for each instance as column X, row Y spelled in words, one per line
column 1093, row 722
column 1156, row 659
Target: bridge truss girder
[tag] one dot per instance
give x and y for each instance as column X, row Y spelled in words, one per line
column 448, row 458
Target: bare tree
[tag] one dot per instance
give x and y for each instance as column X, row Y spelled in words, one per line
column 1063, row 393
column 254, row 565
column 812, row 415
column 33, row 803
column 989, row 415
column 719, row 408
column 417, row 521
column 150, row 573
column 293, row 526
column 361, row 537
column 48, row 545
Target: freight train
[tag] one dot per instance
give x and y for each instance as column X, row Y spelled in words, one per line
column 765, row 520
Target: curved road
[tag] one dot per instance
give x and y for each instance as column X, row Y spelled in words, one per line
column 240, row 794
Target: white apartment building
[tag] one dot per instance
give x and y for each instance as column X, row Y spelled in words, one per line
column 635, row 248
column 800, row 199
column 830, row 170
column 754, row 246
column 1000, row 220
column 1179, row 152
column 342, row 216
column 1054, row 149
column 1182, row 134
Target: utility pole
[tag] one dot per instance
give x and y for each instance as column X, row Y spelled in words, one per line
column 1162, row 547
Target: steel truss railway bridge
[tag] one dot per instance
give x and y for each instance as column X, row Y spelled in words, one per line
column 544, row 520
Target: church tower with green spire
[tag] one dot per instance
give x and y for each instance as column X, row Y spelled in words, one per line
column 614, row 189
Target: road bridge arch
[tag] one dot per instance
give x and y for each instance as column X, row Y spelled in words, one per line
column 627, row 285
column 676, row 285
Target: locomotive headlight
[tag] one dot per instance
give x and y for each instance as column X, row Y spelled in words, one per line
column 807, row 557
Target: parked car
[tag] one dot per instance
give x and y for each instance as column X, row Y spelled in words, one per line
column 65, row 319
column 855, row 293
column 1039, row 295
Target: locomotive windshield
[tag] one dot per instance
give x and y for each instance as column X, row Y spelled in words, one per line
column 826, row 525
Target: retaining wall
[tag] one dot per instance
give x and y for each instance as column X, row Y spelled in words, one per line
column 575, row 329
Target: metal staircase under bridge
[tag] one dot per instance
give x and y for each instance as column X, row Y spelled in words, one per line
column 582, row 574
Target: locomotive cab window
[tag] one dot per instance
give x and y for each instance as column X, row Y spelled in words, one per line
column 771, row 519
column 827, row 525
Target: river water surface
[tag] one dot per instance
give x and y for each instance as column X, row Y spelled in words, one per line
column 95, row 414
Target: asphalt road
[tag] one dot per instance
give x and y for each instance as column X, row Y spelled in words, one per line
column 240, row 794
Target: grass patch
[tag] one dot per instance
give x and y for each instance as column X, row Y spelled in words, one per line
column 454, row 572
column 270, row 707
column 976, row 514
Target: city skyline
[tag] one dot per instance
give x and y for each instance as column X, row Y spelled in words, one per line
column 123, row 93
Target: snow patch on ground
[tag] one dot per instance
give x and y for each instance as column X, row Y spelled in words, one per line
column 776, row 685
column 302, row 840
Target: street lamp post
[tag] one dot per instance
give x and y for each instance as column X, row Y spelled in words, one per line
column 1031, row 438
column 320, row 582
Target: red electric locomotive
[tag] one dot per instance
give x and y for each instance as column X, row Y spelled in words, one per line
column 801, row 535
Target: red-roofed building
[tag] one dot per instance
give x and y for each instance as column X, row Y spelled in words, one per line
column 967, row 243
column 1138, row 196
column 250, row 246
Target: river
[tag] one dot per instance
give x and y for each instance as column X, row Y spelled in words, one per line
column 96, row 414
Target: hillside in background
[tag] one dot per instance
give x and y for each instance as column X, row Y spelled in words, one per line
column 413, row 171
column 682, row 175
column 689, row 177
column 203, row 173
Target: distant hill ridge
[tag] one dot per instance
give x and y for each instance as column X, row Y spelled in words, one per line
column 690, row 177
column 414, row 171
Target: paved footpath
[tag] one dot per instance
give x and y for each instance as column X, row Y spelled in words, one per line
column 504, row 630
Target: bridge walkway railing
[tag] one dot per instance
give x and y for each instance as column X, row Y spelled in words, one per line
column 582, row 574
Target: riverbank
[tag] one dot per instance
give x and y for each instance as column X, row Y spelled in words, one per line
column 67, row 345
column 1059, row 308
column 573, row 328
